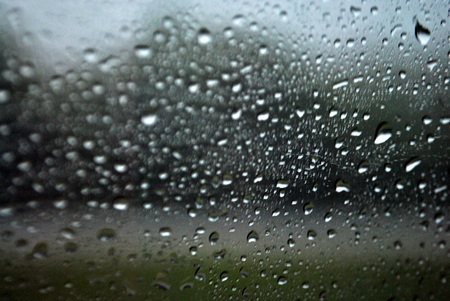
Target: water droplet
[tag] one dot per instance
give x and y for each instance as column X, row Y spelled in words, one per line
column 106, row 234
column 342, row 186
column 149, row 119
column 282, row 184
column 356, row 11
column 331, row 233
column 291, row 243
column 411, row 164
column 252, row 236
column 120, row 167
column 142, row 51
column 61, row 204
column 427, row 120
column 383, row 133
column 236, row 114
column 311, row 234
column 224, row 276
column 363, row 167
column 121, row 204
column 282, row 280
column 213, row 238
column 165, row 231
column 300, row 112
column 263, row 116
column 204, row 36
column 67, row 233
column 40, row 250
column 90, row 56
column 308, row 208
column 4, row 96
column 422, row 33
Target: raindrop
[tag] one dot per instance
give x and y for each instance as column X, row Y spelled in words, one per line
column 204, row 36
column 121, row 204
column 291, row 243
column 213, row 238
column 282, row 184
column 67, row 233
column 263, row 116
column 311, row 234
column 236, row 114
column 106, row 234
column 411, row 164
column 342, row 186
column 61, row 204
column 308, row 208
column 149, row 119
column 363, row 167
column 142, row 51
column 422, row 33
column 224, row 276
column 383, row 133
column 252, row 236
column 282, row 280
column 331, row 233
column 165, row 231
column 300, row 112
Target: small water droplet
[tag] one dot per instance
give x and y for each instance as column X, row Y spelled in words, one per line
column 106, row 234
column 331, row 233
column 142, row 51
column 363, row 167
column 149, row 119
column 224, row 276
column 308, row 208
column 282, row 184
column 263, row 116
column 204, row 36
column 342, row 186
column 291, row 243
column 121, row 204
column 165, row 231
column 282, row 280
column 411, row 164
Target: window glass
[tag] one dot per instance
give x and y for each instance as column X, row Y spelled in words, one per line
column 178, row 150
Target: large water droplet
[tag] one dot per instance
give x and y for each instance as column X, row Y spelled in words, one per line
column 383, row 133
column 422, row 33
column 213, row 238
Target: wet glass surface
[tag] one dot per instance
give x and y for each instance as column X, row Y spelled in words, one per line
column 221, row 150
